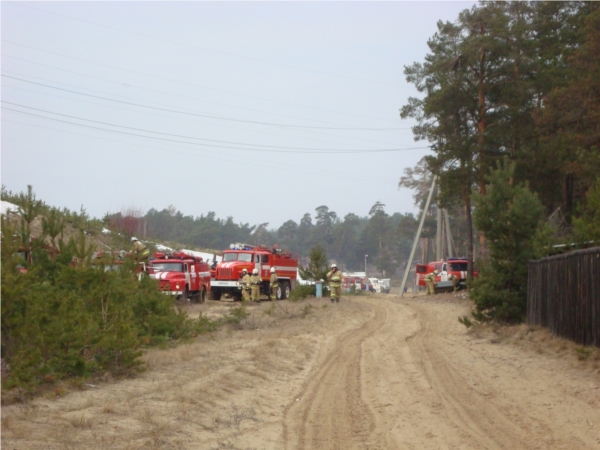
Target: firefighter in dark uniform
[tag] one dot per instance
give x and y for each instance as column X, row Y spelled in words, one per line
column 255, row 282
column 142, row 254
column 274, row 284
column 335, row 283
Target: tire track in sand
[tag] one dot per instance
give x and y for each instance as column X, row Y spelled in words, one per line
column 331, row 412
column 486, row 423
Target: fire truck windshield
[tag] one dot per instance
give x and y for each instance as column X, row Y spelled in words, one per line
column 247, row 257
column 458, row 267
column 167, row 267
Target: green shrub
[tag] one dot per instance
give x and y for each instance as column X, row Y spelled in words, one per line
column 465, row 321
column 65, row 319
column 235, row 315
column 302, row 291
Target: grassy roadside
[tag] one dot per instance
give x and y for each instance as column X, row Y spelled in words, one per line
column 540, row 341
column 191, row 323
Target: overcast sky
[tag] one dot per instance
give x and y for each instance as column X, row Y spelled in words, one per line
column 260, row 111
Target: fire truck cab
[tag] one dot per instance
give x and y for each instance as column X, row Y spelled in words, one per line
column 453, row 266
column 185, row 276
column 226, row 279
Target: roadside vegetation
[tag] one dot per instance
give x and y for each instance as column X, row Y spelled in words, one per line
column 67, row 315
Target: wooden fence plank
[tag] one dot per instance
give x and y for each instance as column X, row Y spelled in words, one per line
column 563, row 294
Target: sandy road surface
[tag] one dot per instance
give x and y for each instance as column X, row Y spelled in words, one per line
column 373, row 372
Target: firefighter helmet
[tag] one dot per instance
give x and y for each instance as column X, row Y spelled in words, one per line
column 133, row 239
column 244, row 270
column 272, row 269
column 334, row 265
column 255, row 272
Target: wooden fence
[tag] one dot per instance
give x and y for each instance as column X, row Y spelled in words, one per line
column 563, row 294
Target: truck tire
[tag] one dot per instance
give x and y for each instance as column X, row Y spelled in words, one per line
column 285, row 290
column 183, row 298
column 198, row 296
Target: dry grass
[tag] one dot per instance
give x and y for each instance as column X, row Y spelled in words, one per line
column 80, row 422
column 540, row 341
column 103, row 441
column 109, row 407
column 14, row 427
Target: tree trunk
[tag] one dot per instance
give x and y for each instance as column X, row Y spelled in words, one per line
column 469, row 220
column 481, row 127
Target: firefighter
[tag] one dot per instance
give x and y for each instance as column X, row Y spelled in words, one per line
column 255, row 282
column 245, row 282
column 455, row 281
column 334, row 277
column 274, row 284
column 142, row 254
column 430, row 282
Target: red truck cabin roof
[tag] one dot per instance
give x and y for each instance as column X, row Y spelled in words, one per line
column 249, row 258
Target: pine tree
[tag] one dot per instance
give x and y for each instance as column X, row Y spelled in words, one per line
column 587, row 226
column 568, row 120
column 317, row 265
column 511, row 216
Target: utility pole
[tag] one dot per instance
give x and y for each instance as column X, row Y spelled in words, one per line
column 414, row 247
column 438, row 234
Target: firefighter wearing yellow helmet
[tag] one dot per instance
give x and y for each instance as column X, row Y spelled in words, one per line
column 245, row 285
column 255, row 282
column 334, row 277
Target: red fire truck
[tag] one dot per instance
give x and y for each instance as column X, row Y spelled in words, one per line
column 453, row 266
column 182, row 275
column 227, row 275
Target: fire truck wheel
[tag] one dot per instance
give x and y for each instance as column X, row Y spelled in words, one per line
column 183, row 298
column 285, row 290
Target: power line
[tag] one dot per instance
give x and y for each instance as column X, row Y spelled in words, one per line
column 158, row 114
column 173, row 110
column 209, row 145
column 211, row 50
column 192, row 84
column 354, row 139
column 311, row 150
column 200, row 100
column 250, row 161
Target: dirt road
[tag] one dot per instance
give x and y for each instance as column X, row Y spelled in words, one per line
column 374, row 372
